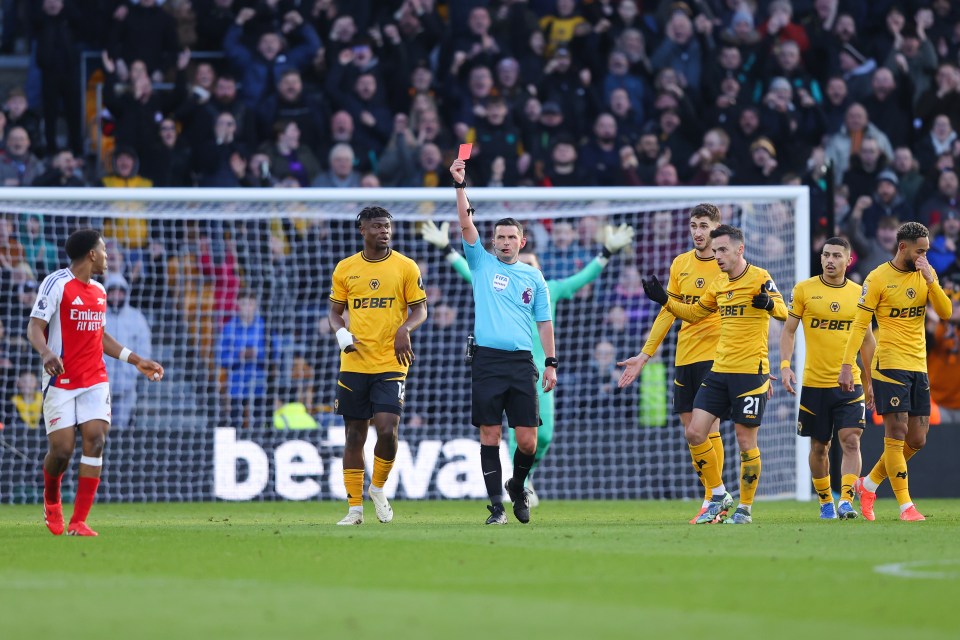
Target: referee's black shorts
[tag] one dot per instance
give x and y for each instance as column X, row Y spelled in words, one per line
column 504, row 381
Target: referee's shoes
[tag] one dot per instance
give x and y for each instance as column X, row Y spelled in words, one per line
column 521, row 501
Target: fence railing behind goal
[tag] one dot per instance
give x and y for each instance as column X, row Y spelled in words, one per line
column 207, row 430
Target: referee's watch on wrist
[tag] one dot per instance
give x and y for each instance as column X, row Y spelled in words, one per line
column 551, row 362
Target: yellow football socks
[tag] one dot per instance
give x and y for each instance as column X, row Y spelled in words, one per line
column 879, row 472
column 749, row 475
column 846, row 486
column 896, row 465
column 717, row 442
column 381, row 469
column 822, row 487
column 705, row 462
column 353, row 481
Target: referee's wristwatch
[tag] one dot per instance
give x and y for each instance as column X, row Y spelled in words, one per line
column 551, row 362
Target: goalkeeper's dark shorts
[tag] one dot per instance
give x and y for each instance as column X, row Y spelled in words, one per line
column 504, row 381
column 743, row 395
column 687, row 379
column 824, row 411
column 360, row 395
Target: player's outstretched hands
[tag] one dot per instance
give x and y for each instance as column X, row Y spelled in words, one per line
column 631, row 369
column 151, row 369
column 616, row 238
column 403, row 349
column 789, row 380
column 458, row 170
column 437, row 236
column 923, row 266
column 763, row 300
column 655, row 290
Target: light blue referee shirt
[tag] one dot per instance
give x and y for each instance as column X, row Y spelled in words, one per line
column 507, row 297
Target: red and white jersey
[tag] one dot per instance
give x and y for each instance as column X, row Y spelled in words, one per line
column 75, row 314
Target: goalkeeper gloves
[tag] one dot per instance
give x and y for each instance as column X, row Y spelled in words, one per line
column 615, row 239
column 437, row 236
column 345, row 340
column 654, row 290
column 763, row 300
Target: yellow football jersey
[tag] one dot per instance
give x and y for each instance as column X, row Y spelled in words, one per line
column 690, row 275
column 376, row 294
column 742, row 347
column 899, row 300
column 826, row 312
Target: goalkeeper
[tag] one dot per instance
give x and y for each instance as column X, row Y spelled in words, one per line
column 615, row 239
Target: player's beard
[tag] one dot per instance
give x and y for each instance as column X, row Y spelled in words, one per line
column 910, row 264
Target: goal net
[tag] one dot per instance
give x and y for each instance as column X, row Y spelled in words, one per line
column 181, row 262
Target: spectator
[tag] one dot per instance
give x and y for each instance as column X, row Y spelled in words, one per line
column 18, row 166
column 938, row 141
column 145, row 32
column 292, row 103
column 780, row 26
column 564, row 257
column 199, row 114
column 213, row 19
column 619, row 77
column 241, row 352
column 129, row 326
column 872, row 252
column 39, row 253
column 495, row 137
column 217, row 162
column 942, row 98
column 342, row 132
column 680, row 50
column 913, row 60
column 563, row 170
column 341, row 173
column 945, row 198
column 601, row 398
column 172, row 161
column 509, row 85
column 889, row 107
column 61, row 172
column 470, row 100
column 907, row 171
column 856, row 69
column 271, row 58
column 864, row 168
column 19, row 114
column 884, row 202
column 836, row 104
column 55, row 27
column 561, row 26
column 842, row 145
column 716, row 144
column 28, row 401
column 396, row 166
column 288, row 158
column 601, row 155
column 572, row 89
column 629, row 126
column 131, row 233
column 764, row 168
column 9, row 359
column 136, row 112
column 945, row 242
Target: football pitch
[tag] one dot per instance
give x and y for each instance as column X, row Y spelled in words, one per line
column 581, row 570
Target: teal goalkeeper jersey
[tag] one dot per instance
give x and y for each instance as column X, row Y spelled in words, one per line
column 559, row 290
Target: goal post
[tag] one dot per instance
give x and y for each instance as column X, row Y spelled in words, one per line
column 207, row 431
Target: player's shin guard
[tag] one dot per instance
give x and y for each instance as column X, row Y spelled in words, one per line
column 86, row 494
column 717, row 441
column 522, row 464
column 822, row 487
column 846, row 486
column 879, row 472
column 353, row 482
column 749, row 475
column 492, row 472
column 705, row 462
column 896, row 465
column 51, row 488
column 381, row 471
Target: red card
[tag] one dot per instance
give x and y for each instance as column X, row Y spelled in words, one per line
column 464, row 153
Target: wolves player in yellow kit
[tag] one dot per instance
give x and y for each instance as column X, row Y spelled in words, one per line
column 825, row 306
column 690, row 274
column 383, row 294
column 745, row 297
column 897, row 293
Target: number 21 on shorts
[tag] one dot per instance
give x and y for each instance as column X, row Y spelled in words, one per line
column 751, row 406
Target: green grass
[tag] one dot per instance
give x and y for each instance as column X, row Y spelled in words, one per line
column 581, row 570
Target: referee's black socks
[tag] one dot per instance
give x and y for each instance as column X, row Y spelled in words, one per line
column 522, row 462
column 492, row 472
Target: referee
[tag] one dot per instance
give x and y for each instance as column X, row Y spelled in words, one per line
column 508, row 294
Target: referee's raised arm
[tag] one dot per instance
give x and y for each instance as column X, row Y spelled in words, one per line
column 464, row 211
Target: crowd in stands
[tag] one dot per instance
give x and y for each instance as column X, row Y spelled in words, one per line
column 857, row 99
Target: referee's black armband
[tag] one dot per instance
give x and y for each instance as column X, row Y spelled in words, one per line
column 459, row 185
column 551, row 362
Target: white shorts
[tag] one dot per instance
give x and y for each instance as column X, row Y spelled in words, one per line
column 63, row 408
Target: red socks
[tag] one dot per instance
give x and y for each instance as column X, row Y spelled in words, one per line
column 86, row 493
column 51, row 488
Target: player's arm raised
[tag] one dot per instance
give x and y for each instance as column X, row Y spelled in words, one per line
column 458, row 170
column 150, row 368
column 787, row 340
column 770, row 300
column 935, row 294
column 52, row 363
